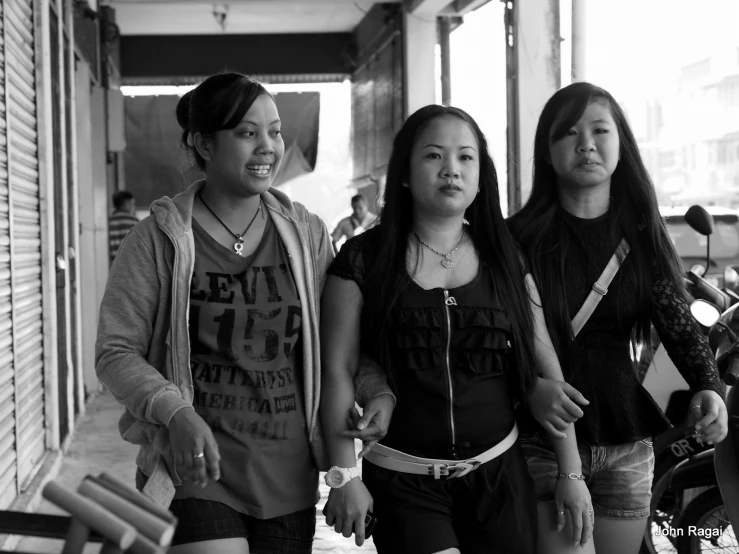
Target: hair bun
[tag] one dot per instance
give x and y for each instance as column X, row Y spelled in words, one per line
column 183, row 111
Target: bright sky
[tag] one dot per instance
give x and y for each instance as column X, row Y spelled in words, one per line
column 636, row 47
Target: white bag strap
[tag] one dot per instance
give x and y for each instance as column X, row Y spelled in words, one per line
column 600, row 287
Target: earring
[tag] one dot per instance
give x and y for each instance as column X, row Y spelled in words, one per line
column 406, row 185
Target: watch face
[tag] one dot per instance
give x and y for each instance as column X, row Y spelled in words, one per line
column 334, row 478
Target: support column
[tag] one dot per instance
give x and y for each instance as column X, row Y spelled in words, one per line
column 445, row 32
column 533, row 73
column 419, row 40
column 578, row 40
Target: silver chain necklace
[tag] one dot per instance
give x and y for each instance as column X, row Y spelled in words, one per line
column 447, row 262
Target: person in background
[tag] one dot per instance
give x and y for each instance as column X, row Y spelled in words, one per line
column 360, row 220
column 121, row 221
column 209, row 337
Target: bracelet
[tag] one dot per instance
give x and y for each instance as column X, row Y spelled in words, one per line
column 574, row 476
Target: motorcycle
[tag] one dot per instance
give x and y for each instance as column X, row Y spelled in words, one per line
column 670, row 390
column 707, row 523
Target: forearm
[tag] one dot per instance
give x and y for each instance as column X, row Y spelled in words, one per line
column 370, row 381
column 338, row 400
column 547, row 363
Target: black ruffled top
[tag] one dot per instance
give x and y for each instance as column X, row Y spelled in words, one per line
column 620, row 409
column 450, row 362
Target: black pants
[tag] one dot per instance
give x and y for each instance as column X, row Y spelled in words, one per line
column 492, row 509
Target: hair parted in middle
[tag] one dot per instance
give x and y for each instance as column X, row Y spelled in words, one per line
column 220, row 102
column 499, row 256
column 633, row 213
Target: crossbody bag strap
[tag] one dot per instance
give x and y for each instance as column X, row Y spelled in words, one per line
column 600, row 287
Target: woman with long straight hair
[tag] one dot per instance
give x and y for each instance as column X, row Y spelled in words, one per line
column 590, row 192
column 436, row 294
column 209, row 336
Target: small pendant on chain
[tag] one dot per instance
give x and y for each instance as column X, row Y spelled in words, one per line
column 447, row 262
column 239, row 246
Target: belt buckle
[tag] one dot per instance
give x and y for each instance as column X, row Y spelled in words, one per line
column 452, row 471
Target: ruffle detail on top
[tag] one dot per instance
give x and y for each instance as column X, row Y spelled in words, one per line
column 482, row 346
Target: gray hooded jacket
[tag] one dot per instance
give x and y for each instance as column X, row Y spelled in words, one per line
column 142, row 354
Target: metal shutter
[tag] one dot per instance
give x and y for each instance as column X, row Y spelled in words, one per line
column 22, row 305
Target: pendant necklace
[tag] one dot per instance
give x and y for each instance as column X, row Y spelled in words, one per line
column 447, row 262
column 239, row 244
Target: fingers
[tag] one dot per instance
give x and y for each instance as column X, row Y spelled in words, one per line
column 367, row 415
column 574, row 395
column 213, row 460
column 715, row 432
column 549, row 428
column 366, row 448
column 577, row 526
column 191, row 467
column 358, row 531
column 572, row 410
column 560, row 518
column 588, row 525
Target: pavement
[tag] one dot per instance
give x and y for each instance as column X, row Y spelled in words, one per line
column 96, row 447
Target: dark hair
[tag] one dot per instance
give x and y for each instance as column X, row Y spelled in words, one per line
column 633, row 214
column 358, row 198
column 499, row 256
column 219, row 102
column 120, row 197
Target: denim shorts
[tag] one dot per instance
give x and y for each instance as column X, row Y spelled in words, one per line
column 619, row 476
column 205, row 520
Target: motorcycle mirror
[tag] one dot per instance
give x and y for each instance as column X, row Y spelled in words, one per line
column 699, row 219
column 704, row 312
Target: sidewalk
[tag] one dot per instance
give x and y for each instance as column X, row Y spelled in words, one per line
column 97, row 447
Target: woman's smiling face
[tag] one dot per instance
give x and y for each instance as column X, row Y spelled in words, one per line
column 247, row 157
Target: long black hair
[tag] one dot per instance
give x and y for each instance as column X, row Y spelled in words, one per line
column 633, row 213
column 387, row 275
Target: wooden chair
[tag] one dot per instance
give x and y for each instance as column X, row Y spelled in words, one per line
column 102, row 510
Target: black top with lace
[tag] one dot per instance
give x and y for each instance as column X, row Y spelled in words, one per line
column 620, row 409
column 450, row 362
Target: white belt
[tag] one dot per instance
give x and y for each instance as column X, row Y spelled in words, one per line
column 405, row 463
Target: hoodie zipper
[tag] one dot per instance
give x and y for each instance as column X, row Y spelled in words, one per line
column 449, row 301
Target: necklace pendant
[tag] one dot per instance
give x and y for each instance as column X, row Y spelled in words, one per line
column 447, row 263
column 239, row 246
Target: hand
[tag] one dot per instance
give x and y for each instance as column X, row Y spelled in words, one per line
column 346, row 509
column 552, row 403
column 373, row 424
column 708, row 414
column 190, row 435
column 572, row 495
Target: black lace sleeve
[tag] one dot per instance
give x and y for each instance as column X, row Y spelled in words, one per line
column 349, row 262
column 683, row 338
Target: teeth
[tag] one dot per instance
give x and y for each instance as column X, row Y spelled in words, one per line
column 259, row 169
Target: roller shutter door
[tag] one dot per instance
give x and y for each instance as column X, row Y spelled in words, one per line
column 22, row 428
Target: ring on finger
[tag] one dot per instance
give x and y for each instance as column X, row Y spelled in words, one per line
column 561, row 513
column 199, row 455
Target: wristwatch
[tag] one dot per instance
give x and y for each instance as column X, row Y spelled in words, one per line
column 337, row 477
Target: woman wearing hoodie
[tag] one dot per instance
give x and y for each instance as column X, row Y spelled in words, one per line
column 209, row 336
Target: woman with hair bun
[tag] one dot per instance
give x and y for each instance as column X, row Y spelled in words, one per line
column 209, row 336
